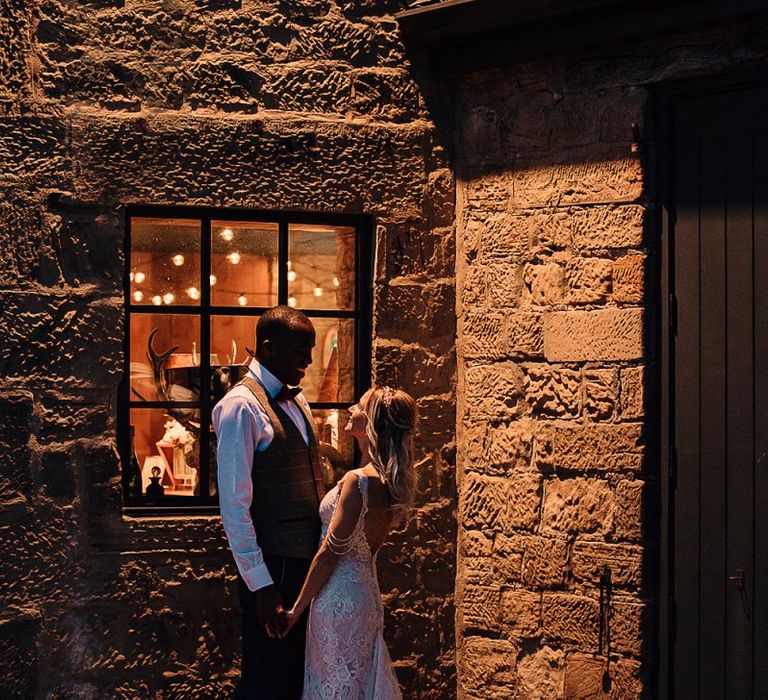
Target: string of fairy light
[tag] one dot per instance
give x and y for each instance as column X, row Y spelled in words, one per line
column 234, row 257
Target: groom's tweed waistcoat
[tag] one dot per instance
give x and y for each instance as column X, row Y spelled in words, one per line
column 287, row 484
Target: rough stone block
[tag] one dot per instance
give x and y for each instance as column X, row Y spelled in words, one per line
column 589, row 280
column 625, row 562
column 32, row 151
column 632, row 397
column 546, row 284
column 413, row 367
column 413, row 249
column 505, row 284
column 480, row 133
column 152, row 31
column 588, row 678
column 226, row 86
column 418, row 314
column 628, row 520
column 494, row 391
column 388, row 94
column 308, row 89
column 549, row 230
column 571, row 619
column 50, row 340
column 617, row 180
column 15, row 84
column 97, row 462
column 497, row 449
column 551, row 391
column 509, row 446
column 324, row 165
column 525, row 336
column 66, row 414
column 483, row 336
column 484, row 502
column 334, row 40
column 541, row 674
column 601, row 390
column 19, row 671
column 437, row 423
column 502, row 237
column 630, row 279
column 26, row 255
column 252, row 36
column 440, row 200
column 609, row 226
column 589, row 447
column 488, row 667
column 574, row 120
column 507, row 560
column 521, row 613
column 545, row 562
column 56, row 475
column 606, row 334
column 471, row 285
column 479, row 606
column 16, row 417
column 584, row 506
column 631, row 623
column 488, row 192
column 85, row 245
column 475, row 544
column 48, row 576
column 524, row 500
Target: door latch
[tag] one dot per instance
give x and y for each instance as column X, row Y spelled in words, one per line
column 738, row 579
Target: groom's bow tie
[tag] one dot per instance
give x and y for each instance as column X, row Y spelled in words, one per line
column 287, row 393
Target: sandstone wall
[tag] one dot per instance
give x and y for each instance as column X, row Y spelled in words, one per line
column 278, row 104
column 557, row 255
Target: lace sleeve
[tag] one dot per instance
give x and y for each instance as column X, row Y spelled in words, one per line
column 348, row 517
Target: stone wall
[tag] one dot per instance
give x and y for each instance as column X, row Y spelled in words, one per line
column 557, row 257
column 275, row 104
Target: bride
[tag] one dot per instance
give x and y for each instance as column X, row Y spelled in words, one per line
column 345, row 653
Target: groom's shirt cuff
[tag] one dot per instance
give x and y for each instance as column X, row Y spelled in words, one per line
column 256, row 577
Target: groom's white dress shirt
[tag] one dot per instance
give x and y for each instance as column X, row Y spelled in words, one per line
column 243, row 427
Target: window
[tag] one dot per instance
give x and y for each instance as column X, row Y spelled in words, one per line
column 196, row 282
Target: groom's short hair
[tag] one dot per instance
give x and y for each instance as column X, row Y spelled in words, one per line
column 279, row 322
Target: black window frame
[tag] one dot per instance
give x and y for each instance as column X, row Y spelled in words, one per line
column 362, row 315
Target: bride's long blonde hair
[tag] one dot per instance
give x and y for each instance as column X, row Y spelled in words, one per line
column 392, row 419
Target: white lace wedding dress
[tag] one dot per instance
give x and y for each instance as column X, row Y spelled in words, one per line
column 346, row 658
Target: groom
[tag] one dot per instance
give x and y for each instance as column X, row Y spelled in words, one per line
column 270, row 485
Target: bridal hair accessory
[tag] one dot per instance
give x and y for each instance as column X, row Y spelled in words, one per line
column 386, row 396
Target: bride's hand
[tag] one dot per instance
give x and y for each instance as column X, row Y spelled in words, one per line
column 293, row 618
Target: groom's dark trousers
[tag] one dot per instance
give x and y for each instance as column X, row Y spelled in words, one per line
column 273, row 669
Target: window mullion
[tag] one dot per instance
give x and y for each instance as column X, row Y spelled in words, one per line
column 205, row 358
column 282, row 264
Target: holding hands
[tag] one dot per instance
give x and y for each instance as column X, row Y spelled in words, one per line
column 292, row 617
column 270, row 612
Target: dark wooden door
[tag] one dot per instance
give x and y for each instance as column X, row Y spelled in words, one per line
column 719, row 204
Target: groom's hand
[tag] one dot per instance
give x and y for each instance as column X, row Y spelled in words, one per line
column 269, row 610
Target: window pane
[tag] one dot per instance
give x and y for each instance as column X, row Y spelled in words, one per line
column 244, row 263
column 176, row 378
column 230, row 336
column 167, row 446
column 165, row 261
column 331, row 376
column 336, row 446
column 321, row 271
